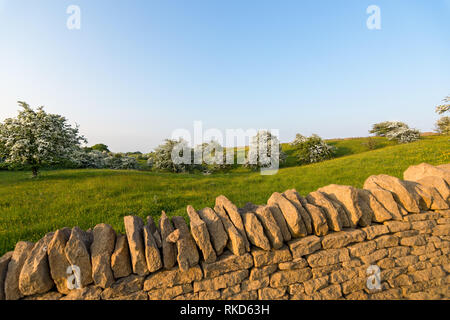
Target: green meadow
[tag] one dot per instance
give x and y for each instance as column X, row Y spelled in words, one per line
column 29, row 208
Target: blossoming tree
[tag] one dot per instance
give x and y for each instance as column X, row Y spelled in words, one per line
column 35, row 138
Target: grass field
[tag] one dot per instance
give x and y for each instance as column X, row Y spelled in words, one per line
column 60, row 198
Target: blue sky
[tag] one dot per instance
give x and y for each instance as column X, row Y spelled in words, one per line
column 138, row 70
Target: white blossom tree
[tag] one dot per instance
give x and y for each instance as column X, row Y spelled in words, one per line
column 444, row 107
column 35, row 138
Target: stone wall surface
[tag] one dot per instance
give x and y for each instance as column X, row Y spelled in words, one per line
column 389, row 240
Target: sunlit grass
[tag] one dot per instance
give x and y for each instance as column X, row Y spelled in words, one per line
column 30, row 208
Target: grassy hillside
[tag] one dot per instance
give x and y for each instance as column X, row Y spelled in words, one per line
column 30, row 208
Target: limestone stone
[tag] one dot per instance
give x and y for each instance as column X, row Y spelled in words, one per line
column 362, row 249
column 413, row 241
column 386, row 199
column 353, row 285
column 87, row 293
column 271, row 293
column 152, row 253
column 172, row 277
column 318, row 218
column 219, row 236
column 343, row 275
column 328, row 257
column 48, row 296
column 304, row 246
column 169, row 250
column 77, row 253
column 293, row 218
column 438, row 183
column 4, row 261
column 313, row 285
column 263, row 258
column 221, row 282
column 258, row 273
column 271, row 228
column 35, row 275
column 428, row 197
column 235, row 217
column 251, row 295
column 154, row 230
column 187, row 256
column 227, row 262
column 379, row 212
column 349, row 197
column 201, row 236
column 335, row 219
column 235, row 240
column 413, row 173
column 293, row 196
column 20, row 254
column 396, row 226
column 57, row 260
column 123, row 287
column 375, row 231
column 255, row 231
column 120, row 259
column 281, row 222
column 374, row 256
column 397, row 252
column 397, row 187
column 341, row 239
column 286, row 277
column 209, row 295
column 101, row 250
column 386, row 241
column 298, row 263
column 230, row 291
column 134, row 227
column 251, row 285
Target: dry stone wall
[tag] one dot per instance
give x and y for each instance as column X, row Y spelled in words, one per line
column 389, row 240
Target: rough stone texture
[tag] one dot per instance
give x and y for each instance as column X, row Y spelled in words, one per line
column 172, row 277
column 226, row 263
column 281, row 222
column 438, row 183
column 35, row 276
column 88, row 293
column 304, row 246
column 410, row 248
column 386, row 199
column 270, row 225
column 4, row 261
column 336, row 220
column 20, row 254
column 57, row 260
column 343, row 238
column 318, row 218
column 398, row 189
column 154, row 230
column 77, row 253
column 234, row 216
column 379, row 212
column 293, row 196
column 169, row 250
column 187, row 251
column 255, row 231
column 413, row 173
column 134, row 227
column 152, row 254
column 264, row 258
column 349, row 198
column 235, row 240
column 101, row 250
column 123, row 287
column 120, row 259
column 291, row 215
column 219, row 236
column 200, row 233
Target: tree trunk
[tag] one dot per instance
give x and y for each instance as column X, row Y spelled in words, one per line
column 35, row 171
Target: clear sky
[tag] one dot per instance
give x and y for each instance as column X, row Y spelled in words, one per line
column 137, row 70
